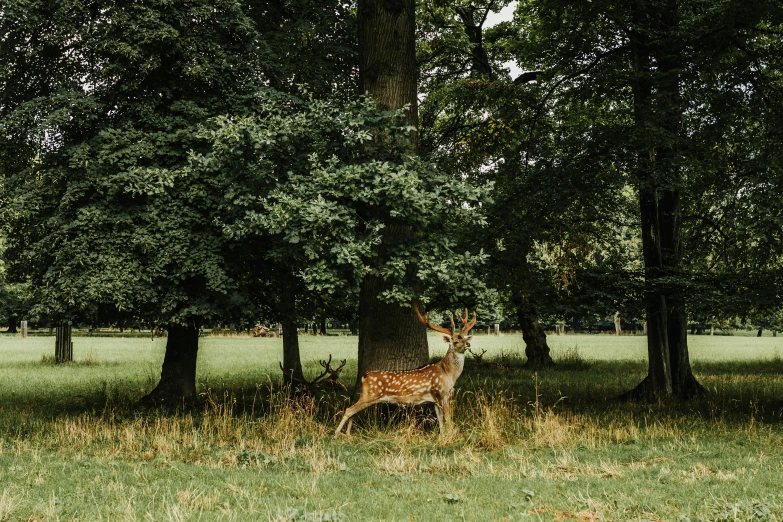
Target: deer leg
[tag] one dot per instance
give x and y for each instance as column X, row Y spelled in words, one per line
column 439, row 413
column 350, row 412
column 444, row 409
column 446, row 405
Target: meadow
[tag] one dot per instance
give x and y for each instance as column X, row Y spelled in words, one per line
column 549, row 445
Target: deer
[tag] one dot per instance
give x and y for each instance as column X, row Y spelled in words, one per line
column 432, row 383
column 261, row 330
column 310, row 387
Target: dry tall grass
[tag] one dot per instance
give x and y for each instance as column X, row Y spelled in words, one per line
column 297, row 434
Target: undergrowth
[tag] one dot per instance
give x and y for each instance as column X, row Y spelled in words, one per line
column 548, row 445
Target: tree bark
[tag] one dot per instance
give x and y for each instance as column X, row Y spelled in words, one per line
column 660, row 179
column 684, row 383
column 536, row 347
column 658, row 383
column 390, row 336
column 479, row 59
column 322, row 326
column 291, row 356
column 12, row 320
column 178, row 375
column 63, row 345
column 387, row 54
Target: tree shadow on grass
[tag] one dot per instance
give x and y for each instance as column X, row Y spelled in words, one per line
column 738, row 392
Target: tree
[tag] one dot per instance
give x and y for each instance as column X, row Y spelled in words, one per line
column 551, row 236
column 14, row 299
column 645, row 63
column 332, row 176
column 101, row 105
column 464, row 126
column 390, row 337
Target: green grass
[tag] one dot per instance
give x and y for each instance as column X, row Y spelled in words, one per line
column 552, row 445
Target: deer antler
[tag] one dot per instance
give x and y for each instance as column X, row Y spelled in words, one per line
column 334, row 373
column 467, row 325
column 310, row 386
column 426, row 322
column 478, row 356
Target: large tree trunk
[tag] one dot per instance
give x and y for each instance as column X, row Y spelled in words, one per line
column 387, row 54
column 684, row 383
column 390, row 336
column 291, row 357
column 659, row 180
column 178, row 375
column 658, row 383
column 12, row 320
column 536, row 347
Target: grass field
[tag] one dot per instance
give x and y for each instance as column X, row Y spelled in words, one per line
column 548, row 446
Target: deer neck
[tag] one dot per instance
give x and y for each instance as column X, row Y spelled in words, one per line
column 453, row 363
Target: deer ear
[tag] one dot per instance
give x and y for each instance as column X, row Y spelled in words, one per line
column 447, row 339
column 468, row 338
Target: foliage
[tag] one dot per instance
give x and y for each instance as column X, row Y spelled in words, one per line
column 722, row 157
column 317, row 181
column 555, row 214
column 100, row 105
column 14, row 298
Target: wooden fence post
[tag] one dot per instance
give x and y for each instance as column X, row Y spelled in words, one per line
column 23, row 329
column 63, row 347
column 497, row 328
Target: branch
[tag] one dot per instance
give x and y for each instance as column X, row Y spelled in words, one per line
column 527, row 77
column 557, row 84
column 716, row 228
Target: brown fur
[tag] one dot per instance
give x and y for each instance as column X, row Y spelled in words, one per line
column 432, row 383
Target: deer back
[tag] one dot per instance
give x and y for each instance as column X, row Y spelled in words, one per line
column 428, row 384
column 425, row 384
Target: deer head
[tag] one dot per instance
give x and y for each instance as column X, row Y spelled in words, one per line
column 457, row 341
